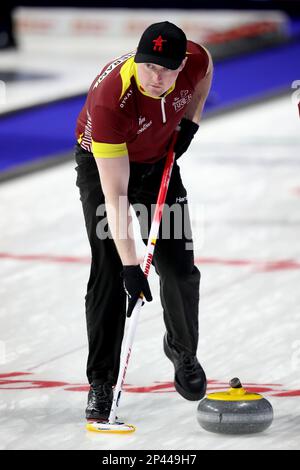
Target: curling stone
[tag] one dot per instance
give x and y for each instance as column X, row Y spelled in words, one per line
column 235, row 411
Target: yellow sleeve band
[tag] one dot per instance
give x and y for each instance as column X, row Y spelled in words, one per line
column 101, row 150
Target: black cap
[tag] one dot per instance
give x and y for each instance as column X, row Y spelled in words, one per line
column 162, row 44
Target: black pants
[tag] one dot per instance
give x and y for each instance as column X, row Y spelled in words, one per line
column 173, row 260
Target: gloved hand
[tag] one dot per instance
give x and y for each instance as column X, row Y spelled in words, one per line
column 185, row 136
column 135, row 282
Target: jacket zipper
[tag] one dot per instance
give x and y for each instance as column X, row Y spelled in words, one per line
column 164, row 119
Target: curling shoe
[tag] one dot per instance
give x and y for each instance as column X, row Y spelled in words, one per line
column 99, row 403
column 190, row 379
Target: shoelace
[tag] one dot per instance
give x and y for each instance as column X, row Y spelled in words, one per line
column 103, row 393
column 189, row 363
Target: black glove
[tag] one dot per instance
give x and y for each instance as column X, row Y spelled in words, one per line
column 185, row 136
column 135, row 282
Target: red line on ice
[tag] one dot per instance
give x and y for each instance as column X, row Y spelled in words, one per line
column 6, row 383
column 48, row 258
column 279, row 265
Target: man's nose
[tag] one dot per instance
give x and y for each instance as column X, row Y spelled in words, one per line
column 158, row 76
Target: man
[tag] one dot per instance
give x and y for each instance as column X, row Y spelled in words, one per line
column 7, row 37
column 124, row 129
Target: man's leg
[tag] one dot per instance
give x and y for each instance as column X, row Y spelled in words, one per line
column 105, row 299
column 179, row 279
column 173, row 256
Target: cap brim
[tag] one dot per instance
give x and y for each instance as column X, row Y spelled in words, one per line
column 152, row 59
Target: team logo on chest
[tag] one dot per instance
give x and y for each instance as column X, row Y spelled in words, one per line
column 182, row 101
column 143, row 125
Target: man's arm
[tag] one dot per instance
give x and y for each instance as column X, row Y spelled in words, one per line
column 114, row 177
column 189, row 124
column 195, row 107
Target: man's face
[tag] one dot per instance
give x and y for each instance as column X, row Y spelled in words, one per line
column 155, row 79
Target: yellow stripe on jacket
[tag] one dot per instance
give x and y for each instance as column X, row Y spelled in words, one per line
column 103, row 150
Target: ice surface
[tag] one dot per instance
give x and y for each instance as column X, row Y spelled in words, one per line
column 242, row 176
